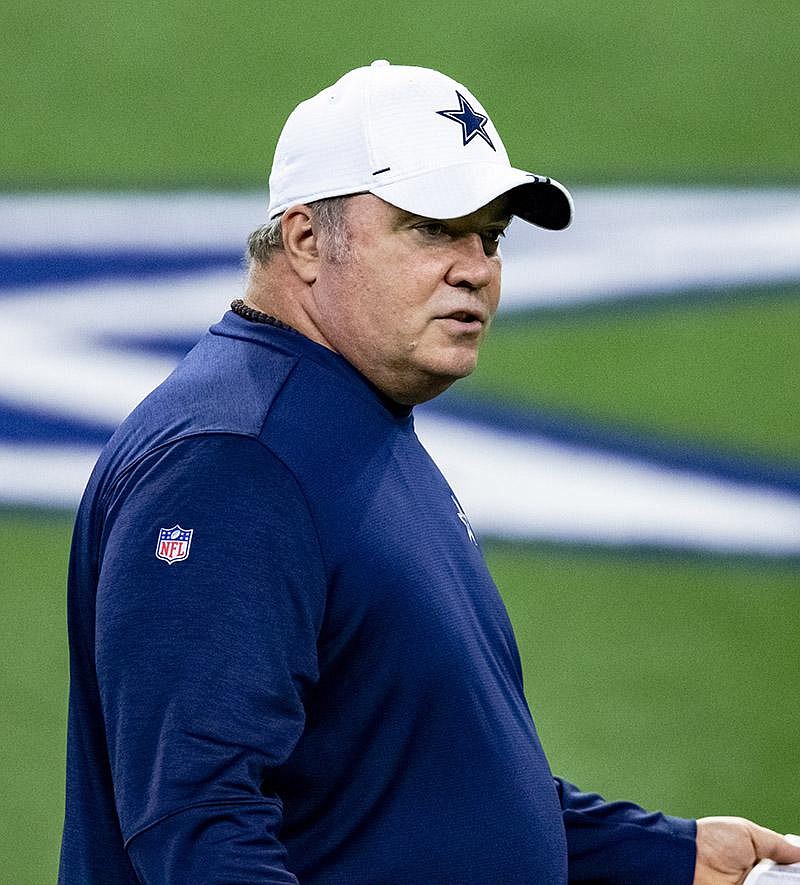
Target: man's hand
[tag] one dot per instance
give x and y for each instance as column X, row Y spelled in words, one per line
column 729, row 847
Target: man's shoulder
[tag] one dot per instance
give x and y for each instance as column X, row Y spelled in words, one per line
column 223, row 385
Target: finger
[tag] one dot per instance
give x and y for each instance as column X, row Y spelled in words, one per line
column 772, row 845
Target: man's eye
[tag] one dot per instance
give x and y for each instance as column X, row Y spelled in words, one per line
column 432, row 228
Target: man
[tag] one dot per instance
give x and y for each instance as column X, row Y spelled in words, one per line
column 288, row 660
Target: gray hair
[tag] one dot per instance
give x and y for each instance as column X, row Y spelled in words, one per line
column 329, row 215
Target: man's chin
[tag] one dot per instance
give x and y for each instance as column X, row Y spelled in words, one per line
column 453, row 371
column 461, row 362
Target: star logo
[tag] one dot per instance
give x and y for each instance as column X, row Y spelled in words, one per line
column 465, row 521
column 472, row 123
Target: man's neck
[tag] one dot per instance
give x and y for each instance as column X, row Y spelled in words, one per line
column 273, row 291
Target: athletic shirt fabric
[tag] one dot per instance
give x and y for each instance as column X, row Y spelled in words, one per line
column 327, row 688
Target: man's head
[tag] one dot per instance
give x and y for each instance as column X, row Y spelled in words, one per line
column 411, row 301
column 388, row 195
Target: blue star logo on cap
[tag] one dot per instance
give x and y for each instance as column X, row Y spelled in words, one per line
column 472, row 123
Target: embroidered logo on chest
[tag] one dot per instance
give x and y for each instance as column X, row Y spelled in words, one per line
column 463, row 517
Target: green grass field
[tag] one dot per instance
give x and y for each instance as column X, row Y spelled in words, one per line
column 175, row 93
column 665, row 680
column 34, row 547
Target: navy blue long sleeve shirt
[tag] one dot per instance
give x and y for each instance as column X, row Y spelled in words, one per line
column 290, row 663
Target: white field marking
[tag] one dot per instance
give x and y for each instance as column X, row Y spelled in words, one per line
column 635, row 241
column 51, row 358
column 536, row 488
column 45, row 476
column 624, row 241
column 169, row 221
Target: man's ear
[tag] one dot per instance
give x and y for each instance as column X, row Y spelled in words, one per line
column 300, row 242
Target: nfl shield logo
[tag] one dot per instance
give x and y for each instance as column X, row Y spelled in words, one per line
column 173, row 544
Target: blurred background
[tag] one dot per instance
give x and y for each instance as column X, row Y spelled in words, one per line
column 629, row 447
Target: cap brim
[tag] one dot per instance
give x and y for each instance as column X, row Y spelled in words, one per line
column 460, row 190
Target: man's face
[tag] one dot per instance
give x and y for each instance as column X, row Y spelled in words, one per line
column 411, row 303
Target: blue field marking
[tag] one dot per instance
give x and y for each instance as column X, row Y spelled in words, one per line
column 171, row 346
column 30, row 426
column 20, row 270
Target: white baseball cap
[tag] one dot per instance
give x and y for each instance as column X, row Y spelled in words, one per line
column 413, row 137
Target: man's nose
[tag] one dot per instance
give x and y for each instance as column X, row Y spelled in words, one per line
column 471, row 266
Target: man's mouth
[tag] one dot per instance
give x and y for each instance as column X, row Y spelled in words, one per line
column 469, row 319
column 464, row 316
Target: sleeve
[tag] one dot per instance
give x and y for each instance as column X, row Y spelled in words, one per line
column 619, row 843
column 205, row 655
